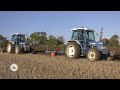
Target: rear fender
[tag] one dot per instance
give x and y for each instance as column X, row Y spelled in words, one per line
column 77, row 43
column 11, row 42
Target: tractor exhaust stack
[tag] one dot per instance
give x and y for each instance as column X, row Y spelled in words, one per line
column 101, row 35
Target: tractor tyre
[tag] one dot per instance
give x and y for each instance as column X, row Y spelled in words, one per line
column 110, row 59
column 72, row 50
column 34, row 52
column 30, row 50
column 18, row 49
column 93, row 54
column 10, row 48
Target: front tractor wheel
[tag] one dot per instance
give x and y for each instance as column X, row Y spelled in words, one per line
column 18, row 49
column 10, row 48
column 93, row 54
column 72, row 50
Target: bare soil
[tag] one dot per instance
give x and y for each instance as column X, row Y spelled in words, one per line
column 37, row 66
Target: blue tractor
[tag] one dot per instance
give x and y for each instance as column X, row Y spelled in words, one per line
column 18, row 44
column 83, row 43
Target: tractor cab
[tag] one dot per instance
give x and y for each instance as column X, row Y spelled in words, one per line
column 83, row 37
column 18, row 38
column 83, row 33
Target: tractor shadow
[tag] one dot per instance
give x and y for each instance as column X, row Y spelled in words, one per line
column 117, row 57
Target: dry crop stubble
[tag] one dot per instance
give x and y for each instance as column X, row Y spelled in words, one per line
column 37, row 66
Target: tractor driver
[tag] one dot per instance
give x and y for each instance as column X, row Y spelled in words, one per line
column 18, row 38
column 81, row 35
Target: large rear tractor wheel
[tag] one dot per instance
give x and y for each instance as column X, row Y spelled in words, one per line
column 18, row 49
column 72, row 50
column 10, row 48
column 93, row 54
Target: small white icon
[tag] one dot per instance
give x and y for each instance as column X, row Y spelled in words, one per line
column 14, row 67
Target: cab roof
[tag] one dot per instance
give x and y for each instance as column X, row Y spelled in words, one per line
column 17, row 34
column 75, row 29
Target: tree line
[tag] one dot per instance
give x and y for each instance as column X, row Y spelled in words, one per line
column 3, row 41
column 40, row 38
column 112, row 42
column 37, row 38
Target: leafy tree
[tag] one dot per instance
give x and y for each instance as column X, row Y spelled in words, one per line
column 3, row 41
column 2, row 38
column 43, row 34
column 43, row 40
column 38, row 38
column 52, row 41
column 114, row 40
column 34, row 38
column 60, row 40
column 106, row 41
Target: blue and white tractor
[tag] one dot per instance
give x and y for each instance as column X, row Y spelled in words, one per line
column 18, row 44
column 83, row 43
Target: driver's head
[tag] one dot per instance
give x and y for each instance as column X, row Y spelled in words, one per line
column 82, row 31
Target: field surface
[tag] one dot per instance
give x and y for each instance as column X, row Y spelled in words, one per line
column 37, row 66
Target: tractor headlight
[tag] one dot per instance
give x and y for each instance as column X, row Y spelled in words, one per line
column 103, row 47
column 28, row 46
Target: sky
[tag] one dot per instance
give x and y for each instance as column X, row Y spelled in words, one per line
column 59, row 23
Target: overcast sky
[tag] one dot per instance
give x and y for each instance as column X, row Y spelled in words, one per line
column 58, row 23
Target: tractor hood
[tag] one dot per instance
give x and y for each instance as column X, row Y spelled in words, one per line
column 23, row 43
column 97, row 44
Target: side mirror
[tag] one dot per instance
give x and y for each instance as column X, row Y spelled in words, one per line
column 96, row 35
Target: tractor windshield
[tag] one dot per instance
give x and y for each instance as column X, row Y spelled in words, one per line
column 90, row 36
column 19, row 38
column 75, row 34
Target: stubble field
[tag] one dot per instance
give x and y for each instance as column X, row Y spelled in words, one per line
column 37, row 66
